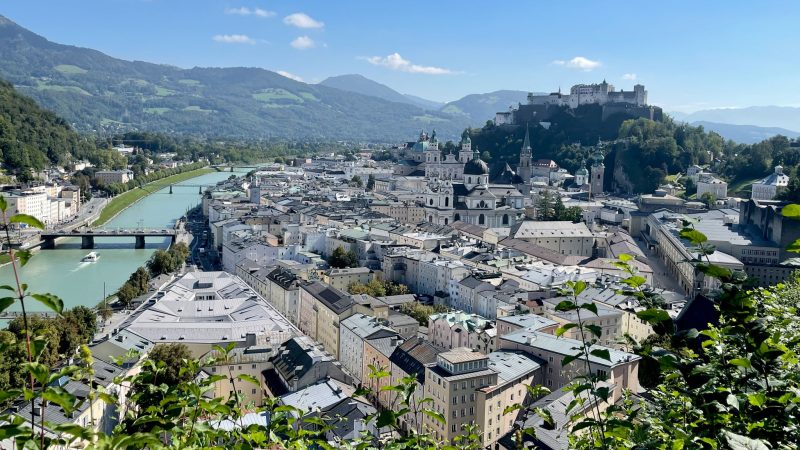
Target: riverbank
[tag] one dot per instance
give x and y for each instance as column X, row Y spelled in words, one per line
column 127, row 199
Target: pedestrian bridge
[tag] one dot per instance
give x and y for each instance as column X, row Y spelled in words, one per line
column 88, row 236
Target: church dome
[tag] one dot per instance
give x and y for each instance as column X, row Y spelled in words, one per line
column 476, row 167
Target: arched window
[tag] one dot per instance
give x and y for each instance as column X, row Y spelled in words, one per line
column 430, row 219
column 482, row 204
column 469, row 180
column 505, row 219
column 430, row 202
column 457, row 217
column 445, row 220
column 447, row 201
column 481, row 220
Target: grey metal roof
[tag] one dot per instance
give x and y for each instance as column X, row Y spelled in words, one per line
column 566, row 346
column 511, row 366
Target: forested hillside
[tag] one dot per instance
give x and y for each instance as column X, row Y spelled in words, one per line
column 640, row 153
column 98, row 93
column 31, row 137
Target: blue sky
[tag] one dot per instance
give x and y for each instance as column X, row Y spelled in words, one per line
column 689, row 54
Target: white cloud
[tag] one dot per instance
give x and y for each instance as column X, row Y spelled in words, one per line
column 579, row 62
column 234, row 39
column 290, row 76
column 629, row 77
column 397, row 62
column 245, row 11
column 302, row 20
column 303, row 43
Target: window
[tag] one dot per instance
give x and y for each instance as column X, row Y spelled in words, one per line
column 455, row 400
column 253, row 366
column 254, row 392
column 454, row 414
column 457, row 217
column 464, row 384
column 463, row 412
column 463, row 399
column 453, row 428
column 472, row 397
column 481, row 219
column 471, row 411
column 447, row 201
column 505, row 219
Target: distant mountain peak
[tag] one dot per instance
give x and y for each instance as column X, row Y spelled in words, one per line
column 362, row 85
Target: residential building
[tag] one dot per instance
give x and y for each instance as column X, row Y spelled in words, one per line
column 565, row 238
column 458, row 329
column 250, row 361
column 108, row 177
column 341, row 279
column 355, row 331
column 300, row 362
column 621, row 371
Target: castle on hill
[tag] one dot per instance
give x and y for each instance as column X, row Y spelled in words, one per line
column 540, row 108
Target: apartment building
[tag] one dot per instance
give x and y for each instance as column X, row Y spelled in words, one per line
column 621, row 371
column 341, row 279
column 355, row 331
column 471, row 387
column 107, row 177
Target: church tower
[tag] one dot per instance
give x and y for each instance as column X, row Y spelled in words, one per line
column 525, row 159
column 433, row 163
column 581, row 175
column 598, row 170
column 465, row 154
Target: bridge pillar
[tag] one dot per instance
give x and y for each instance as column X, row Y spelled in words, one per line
column 200, row 191
column 87, row 241
column 139, row 241
column 48, row 242
column 231, row 168
column 170, row 189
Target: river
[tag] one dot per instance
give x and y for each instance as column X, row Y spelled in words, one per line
column 61, row 272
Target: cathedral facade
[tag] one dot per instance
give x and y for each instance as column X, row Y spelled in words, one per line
column 458, row 188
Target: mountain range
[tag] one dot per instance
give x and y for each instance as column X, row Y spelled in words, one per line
column 745, row 134
column 96, row 92
column 786, row 117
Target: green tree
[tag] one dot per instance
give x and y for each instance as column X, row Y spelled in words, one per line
column 172, row 358
column 126, row 294
column 341, row 258
column 356, row 180
column 371, row 182
column 544, row 206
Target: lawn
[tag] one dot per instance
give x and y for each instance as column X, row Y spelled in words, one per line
column 196, row 108
column 742, row 185
column 156, row 110
column 126, row 199
column 69, row 69
column 163, row 92
column 276, row 95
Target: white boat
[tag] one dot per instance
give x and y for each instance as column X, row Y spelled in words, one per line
column 91, row 257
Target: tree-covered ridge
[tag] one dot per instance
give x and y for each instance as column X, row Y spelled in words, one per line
column 99, row 93
column 31, row 137
column 639, row 153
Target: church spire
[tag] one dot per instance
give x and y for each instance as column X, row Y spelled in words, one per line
column 526, row 145
column 525, row 158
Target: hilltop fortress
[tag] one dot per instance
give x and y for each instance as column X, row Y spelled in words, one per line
column 540, row 108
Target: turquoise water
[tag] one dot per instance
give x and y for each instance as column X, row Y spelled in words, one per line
column 61, row 272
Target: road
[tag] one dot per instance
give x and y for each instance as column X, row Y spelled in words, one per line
column 197, row 226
